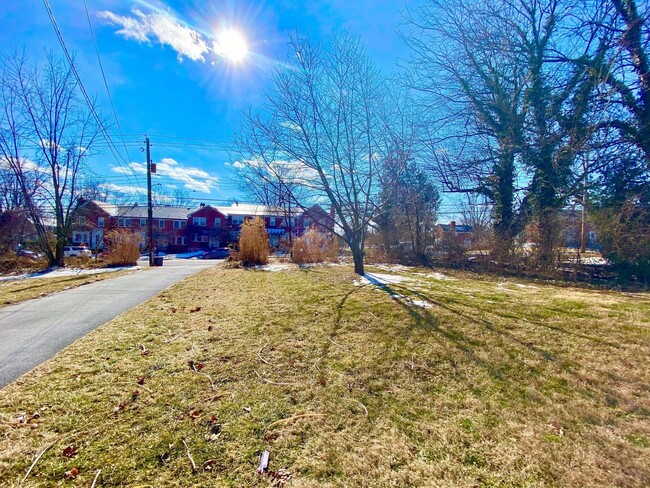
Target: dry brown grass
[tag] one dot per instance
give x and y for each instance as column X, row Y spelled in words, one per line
column 494, row 384
column 123, row 247
column 314, row 247
column 26, row 289
column 253, row 242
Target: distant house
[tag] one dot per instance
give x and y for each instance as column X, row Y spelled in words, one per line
column 180, row 229
column 463, row 234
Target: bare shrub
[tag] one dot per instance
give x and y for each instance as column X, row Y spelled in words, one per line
column 123, row 247
column 314, row 247
column 253, row 242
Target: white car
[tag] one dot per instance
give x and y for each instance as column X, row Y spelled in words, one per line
column 72, row 251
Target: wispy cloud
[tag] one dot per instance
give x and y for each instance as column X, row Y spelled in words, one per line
column 191, row 177
column 163, row 27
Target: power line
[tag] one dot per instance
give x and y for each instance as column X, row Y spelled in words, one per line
column 101, row 68
column 82, row 88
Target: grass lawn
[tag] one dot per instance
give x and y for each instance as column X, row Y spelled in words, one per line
column 428, row 381
column 26, row 289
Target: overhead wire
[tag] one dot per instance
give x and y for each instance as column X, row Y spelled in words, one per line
column 101, row 68
column 82, row 88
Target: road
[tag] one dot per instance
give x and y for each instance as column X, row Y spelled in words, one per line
column 34, row 331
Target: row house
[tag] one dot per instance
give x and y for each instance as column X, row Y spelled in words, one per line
column 180, row 229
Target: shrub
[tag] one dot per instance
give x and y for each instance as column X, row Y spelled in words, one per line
column 253, row 242
column 314, row 247
column 123, row 247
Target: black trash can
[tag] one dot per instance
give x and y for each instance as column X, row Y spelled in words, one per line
column 158, row 261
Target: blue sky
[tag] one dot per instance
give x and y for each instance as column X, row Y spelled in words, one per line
column 167, row 81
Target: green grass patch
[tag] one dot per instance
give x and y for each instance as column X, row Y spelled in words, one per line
column 419, row 383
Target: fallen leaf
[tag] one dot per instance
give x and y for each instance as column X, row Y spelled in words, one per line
column 209, row 464
column 120, row 407
column 70, row 451
column 210, row 328
column 195, row 414
column 197, row 309
column 173, row 310
column 135, row 394
column 72, row 474
column 213, row 420
column 199, row 366
column 211, row 437
column 141, row 380
column 280, row 477
column 247, row 409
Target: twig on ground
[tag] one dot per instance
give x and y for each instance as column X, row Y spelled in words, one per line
column 36, row 460
column 187, row 451
column 364, row 408
column 290, row 419
column 259, row 355
column 96, row 477
column 204, row 374
column 336, row 343
column 274, row 382
column 378, row 319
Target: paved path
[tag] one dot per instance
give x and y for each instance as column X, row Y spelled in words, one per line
column 34, row 331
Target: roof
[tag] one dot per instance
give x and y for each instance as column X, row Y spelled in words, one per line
column 141, row 212
column 251, row 210
column 459, row 228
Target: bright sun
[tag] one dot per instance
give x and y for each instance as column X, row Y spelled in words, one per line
column 232, row 45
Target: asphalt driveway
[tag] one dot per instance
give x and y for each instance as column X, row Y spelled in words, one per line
column 34, row 331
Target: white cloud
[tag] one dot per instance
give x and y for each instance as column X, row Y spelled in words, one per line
column 191, row 177
column 163, row 27
column 130, row 190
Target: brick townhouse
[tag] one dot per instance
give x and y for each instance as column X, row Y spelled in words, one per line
column 180, row 229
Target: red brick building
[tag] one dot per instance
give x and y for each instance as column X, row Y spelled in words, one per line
column 181, row 229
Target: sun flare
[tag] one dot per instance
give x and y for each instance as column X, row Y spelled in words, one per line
column 232, row 45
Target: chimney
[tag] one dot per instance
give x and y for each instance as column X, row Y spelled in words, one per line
column 202, row 205
column 452, row 227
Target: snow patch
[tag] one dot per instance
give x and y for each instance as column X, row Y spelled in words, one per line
column 393, row 267
column 59, row 272
column 436, row 276
column 378, row 279
column 275, row 267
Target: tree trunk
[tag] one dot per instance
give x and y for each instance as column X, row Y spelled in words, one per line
column 356, row 246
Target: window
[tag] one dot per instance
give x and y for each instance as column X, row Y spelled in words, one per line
column 122, row 222
column 237, row 219
column 306, row 223
column 217, row 222
column 143, row 222
column 200, row 221
column 272, row 222
column 180, row 224
column 81, row 220
column 180, row 240
column 161, row 224
column 200, row 238
column 100, row 221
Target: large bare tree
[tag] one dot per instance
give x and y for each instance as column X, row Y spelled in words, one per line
column 45, row 121
column 323, row 135
column 511, row 110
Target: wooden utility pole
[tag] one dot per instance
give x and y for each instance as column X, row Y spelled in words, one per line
column 149, row 205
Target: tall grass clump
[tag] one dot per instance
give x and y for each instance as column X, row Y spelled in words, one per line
column 123, row 247
column 314, row 247
column 253, row 242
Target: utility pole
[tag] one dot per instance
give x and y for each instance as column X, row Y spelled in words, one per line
column 149, row 206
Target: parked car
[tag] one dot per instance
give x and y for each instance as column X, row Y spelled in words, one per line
column 73, row 251
column 26, row 253
column 217, row 253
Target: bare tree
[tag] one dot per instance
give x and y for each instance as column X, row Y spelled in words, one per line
column 43, row 115
column 516, row 110
column 324, row 132
column 181, row 197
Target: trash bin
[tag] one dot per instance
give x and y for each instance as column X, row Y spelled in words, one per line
column 158, row 261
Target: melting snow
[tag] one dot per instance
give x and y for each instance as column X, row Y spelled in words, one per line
column 58, row 272
column 437, row 276
column 378, row 279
